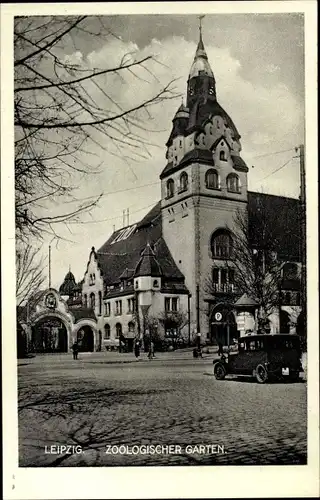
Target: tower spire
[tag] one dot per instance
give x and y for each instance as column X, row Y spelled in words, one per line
column 200, row 25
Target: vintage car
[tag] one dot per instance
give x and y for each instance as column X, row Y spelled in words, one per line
column 264, row 357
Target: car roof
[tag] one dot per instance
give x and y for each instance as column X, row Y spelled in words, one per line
column 269, row 335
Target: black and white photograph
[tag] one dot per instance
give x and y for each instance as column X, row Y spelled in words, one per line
column 162, row 257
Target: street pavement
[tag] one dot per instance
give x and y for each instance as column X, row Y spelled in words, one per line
column 109, row 409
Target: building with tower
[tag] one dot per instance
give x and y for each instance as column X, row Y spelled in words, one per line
column 159, row 267
column 149, row 279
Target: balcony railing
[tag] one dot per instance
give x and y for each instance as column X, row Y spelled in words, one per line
column 223, row 287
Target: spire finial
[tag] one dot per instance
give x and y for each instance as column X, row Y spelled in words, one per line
column 200, row 24
column 69, row 268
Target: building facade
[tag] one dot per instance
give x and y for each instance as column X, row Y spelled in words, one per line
column 150, row 279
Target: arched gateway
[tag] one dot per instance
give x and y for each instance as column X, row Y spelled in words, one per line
column 53, row 326
column 49, row 334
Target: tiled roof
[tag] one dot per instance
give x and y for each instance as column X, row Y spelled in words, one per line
column 148, row 264
column 282, row 226
column 202, row 111
column 83, row 313
column 201, row 155
column 69, row 284
column 114, row 258
column 239, row 163
column 246, row 301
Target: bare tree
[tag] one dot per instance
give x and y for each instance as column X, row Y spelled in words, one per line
column 253, row 265
column 64, row 107
column 29, row 272
column 174, row 321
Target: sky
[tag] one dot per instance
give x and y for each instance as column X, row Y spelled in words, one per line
column 258, row 63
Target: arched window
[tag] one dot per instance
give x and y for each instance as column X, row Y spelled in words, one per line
column 100, row 303
column 233, row 183
column 221, row 244
column 222, row 155
column 170, row 188
column 118, row 330
column 212, row 179
column 130, row 327
column 183, row 182
column 106, row 331
column 92, row 300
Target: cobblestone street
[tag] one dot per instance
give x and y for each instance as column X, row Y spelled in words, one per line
column 107, row 399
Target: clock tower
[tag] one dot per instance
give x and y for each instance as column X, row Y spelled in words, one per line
column 203, row 185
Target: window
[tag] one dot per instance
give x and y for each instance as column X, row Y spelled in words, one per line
column 221, row 244
column 106, row 331
column 155, row 284
column 183, row 182
column 222, row 155
column 131, row 327
column 223, row 280
column 233, row 184
column 170, row 188
column 215, row 276
column 171, row 304
column 100, row 303
column 118, row 307
column 92, row 279
column 92, row 300
column 212, row 179
column 85, row 300
column 107, row 309
column 130, row 303
column 118, row 330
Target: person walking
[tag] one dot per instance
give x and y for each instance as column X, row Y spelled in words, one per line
column 151, row 350
column 137, row 349
column 75, row 350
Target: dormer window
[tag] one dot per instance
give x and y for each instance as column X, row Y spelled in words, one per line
column 223, row 156
column 183, row 182
column 170, row 188
column 233, row 183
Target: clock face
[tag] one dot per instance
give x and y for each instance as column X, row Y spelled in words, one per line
column 51, row 301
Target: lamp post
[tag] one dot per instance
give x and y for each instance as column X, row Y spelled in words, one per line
column 189, row 324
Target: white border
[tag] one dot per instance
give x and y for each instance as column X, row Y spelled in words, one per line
column 160, row 482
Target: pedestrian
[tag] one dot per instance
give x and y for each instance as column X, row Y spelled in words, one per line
column 137, row 349
column 75, row 350
column 151, row 352
column 220, row 349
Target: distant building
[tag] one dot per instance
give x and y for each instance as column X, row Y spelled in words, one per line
column 149, row 277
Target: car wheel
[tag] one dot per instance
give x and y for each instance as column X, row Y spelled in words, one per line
column 261, row 374
column 219, row 371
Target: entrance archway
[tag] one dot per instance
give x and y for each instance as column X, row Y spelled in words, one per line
column 223, row 326
column 49, row 334
column 85, row 339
